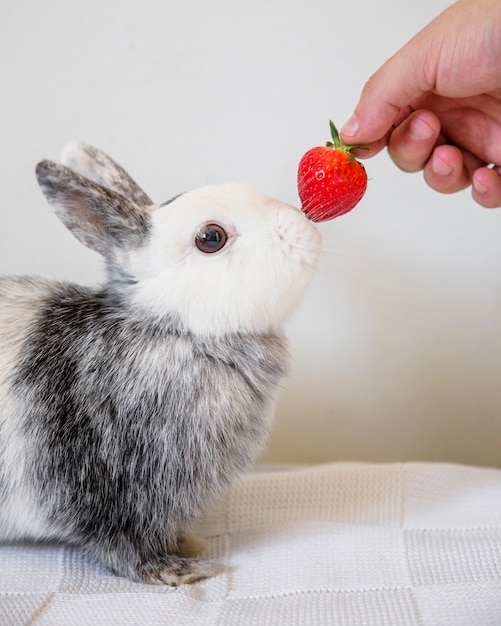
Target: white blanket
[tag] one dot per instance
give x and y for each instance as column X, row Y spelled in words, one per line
column 339, row 544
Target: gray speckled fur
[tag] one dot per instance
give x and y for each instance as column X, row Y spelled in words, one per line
column 102, row 169
column 121, row 221
column 121, row 453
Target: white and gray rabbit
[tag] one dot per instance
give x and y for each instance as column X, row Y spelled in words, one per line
column 124, row 410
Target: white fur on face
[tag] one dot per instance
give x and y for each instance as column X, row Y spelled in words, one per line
column 251, row 285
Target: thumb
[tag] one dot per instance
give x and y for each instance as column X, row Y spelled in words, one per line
column 400, row 81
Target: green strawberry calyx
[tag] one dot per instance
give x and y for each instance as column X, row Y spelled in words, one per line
column 337, row 144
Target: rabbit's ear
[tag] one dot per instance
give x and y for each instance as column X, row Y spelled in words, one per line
column 99, row 167
column 99, row 217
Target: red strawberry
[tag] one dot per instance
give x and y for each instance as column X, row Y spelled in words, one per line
column 330, row 180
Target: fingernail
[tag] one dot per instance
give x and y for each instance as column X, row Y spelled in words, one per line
column 420, row 130
column 440, row 167
column 351, row 128
column 479, row 187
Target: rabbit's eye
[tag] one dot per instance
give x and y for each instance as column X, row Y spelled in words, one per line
column 211, row 238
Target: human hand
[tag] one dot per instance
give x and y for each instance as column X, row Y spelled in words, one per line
column 436, row 103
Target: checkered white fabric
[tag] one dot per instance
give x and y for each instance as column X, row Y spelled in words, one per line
column 338, row 544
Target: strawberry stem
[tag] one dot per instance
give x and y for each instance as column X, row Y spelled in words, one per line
column 335, row 135
column 337, row 144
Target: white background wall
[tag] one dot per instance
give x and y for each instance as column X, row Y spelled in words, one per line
column 397, row 348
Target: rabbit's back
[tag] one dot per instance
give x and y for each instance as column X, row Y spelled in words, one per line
column 21, row 299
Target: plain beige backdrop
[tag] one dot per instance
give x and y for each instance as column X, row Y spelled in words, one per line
column 397, row 345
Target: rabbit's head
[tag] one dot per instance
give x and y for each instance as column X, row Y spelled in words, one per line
column 223, row 258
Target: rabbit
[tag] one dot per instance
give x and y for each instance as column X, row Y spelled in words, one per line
column 126, row 409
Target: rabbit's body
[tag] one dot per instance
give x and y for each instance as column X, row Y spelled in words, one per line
column 115, row 447
column 124, row 410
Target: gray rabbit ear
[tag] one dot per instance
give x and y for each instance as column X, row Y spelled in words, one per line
column 99, row 167
column 99, row 217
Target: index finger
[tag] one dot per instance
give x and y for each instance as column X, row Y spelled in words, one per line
column 398, row 83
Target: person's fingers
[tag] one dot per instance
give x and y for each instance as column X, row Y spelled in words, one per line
column 370, row 150
column 486, row 187
column 446, row 171
column 412, row 142
column 399, row 82
column 377, row 109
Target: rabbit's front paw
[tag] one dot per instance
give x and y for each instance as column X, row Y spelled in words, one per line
column 175, row 570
